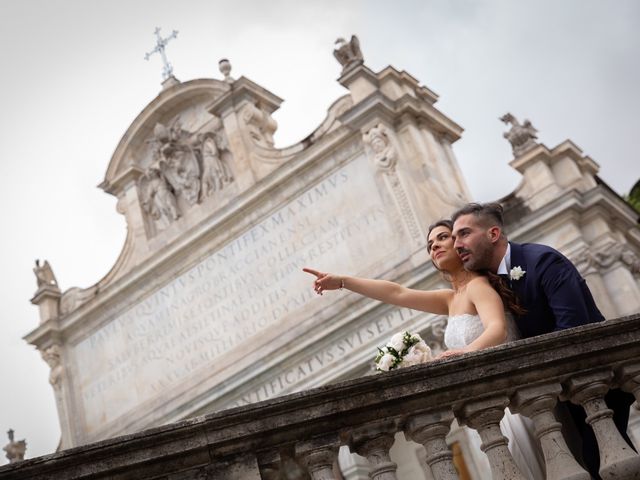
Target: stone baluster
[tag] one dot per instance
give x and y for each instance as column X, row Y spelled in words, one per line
column 484, row 416
column 537, row 403
column 629, row 376
column 430, row 430
column 617, row 459
column 319, row 456
column 374, row 442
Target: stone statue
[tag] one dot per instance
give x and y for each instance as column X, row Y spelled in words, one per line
column 44, row 275
column 15, row 450
column 189, row 166
column 177, row 161
column 522, row 137
column 383, row 152
column 51, row 355
column 215, row 170
column 157, row 199
column 260, row 124
column 348, row 54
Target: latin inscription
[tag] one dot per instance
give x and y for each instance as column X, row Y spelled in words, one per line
column 229, row 297
column 328, row 357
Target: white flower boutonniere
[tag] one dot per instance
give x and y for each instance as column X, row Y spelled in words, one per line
column 516, row 273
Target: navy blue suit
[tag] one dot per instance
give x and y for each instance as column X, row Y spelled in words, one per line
column 552, row 291
column 556, row 297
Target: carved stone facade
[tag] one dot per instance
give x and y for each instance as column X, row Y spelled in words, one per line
column 207, row 308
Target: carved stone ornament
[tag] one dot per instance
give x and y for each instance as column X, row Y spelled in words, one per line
column 631, row 260
column 44, row 275
column 585, row 262
column 15, row 449
column 378, row 139
column 74, row 297
column 590, row 260
column 51, row 355
column 522, row 137
column 186, row 168
column 214, row 153
column 612, row 252
column 348, row 54
column 260, row 124
column 434, row 335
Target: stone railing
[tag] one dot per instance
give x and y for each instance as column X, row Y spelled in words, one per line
column 302, row 432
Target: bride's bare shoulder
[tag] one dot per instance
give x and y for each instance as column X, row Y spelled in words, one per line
column 479, row 283
column 479, row 280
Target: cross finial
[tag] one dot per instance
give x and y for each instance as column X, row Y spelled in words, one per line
column 161, row 43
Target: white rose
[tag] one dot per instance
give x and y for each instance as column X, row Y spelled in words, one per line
column 417, row 337
column 397, row 342
column 386, row 361
column 423, row 347
column 419, row 353
column 516, row 273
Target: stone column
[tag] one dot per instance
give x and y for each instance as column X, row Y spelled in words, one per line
column 319, row 456
column 374, row 442
column 537, row 403
column 430, row 430
column 484, row 416
column 617, row 459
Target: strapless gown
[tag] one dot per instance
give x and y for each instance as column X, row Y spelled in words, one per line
column 461, row 331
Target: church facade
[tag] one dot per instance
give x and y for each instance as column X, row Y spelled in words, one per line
column 207, row 307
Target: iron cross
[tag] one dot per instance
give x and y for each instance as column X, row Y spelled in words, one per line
column 161, row 43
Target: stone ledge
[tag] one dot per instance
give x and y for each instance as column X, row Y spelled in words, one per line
column 337, row 408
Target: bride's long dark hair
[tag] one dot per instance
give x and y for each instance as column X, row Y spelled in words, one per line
column 509, row 299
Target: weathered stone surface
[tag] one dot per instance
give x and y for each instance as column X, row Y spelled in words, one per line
column 343, row 408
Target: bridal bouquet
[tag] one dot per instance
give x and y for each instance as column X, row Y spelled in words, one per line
column 403, row 350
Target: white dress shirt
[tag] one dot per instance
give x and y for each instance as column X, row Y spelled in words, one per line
column 505, row 263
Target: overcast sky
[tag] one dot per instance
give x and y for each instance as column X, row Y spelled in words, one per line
column 73, row 78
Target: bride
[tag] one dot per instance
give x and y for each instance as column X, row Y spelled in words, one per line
column 475, row 307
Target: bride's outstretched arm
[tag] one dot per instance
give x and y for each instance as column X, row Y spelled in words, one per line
column 434, row 301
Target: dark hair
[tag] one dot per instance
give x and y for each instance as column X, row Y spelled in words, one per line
column 488, row 214
column 491, row 211
column 509, row 299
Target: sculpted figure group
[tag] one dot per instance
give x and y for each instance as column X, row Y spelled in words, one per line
column 185, row 169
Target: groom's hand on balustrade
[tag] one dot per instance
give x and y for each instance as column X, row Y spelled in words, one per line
column 324, row 281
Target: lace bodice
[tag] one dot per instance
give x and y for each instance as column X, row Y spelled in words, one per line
column 463, row 329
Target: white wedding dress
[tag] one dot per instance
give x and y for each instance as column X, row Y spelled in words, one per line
column 461, row 331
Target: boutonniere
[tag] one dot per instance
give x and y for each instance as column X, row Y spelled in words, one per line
column 516, row 273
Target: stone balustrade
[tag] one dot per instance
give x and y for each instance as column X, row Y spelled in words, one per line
column 301, row 432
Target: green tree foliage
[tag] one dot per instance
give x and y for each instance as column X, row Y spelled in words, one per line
column 633, row 198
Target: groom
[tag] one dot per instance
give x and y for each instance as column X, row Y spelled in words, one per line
column 549, row 288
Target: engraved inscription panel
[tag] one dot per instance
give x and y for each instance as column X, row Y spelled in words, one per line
column 235, row 293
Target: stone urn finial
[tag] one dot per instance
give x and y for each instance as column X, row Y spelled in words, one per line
column 225, row 68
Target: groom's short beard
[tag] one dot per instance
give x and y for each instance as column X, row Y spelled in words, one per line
column 480, row 258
